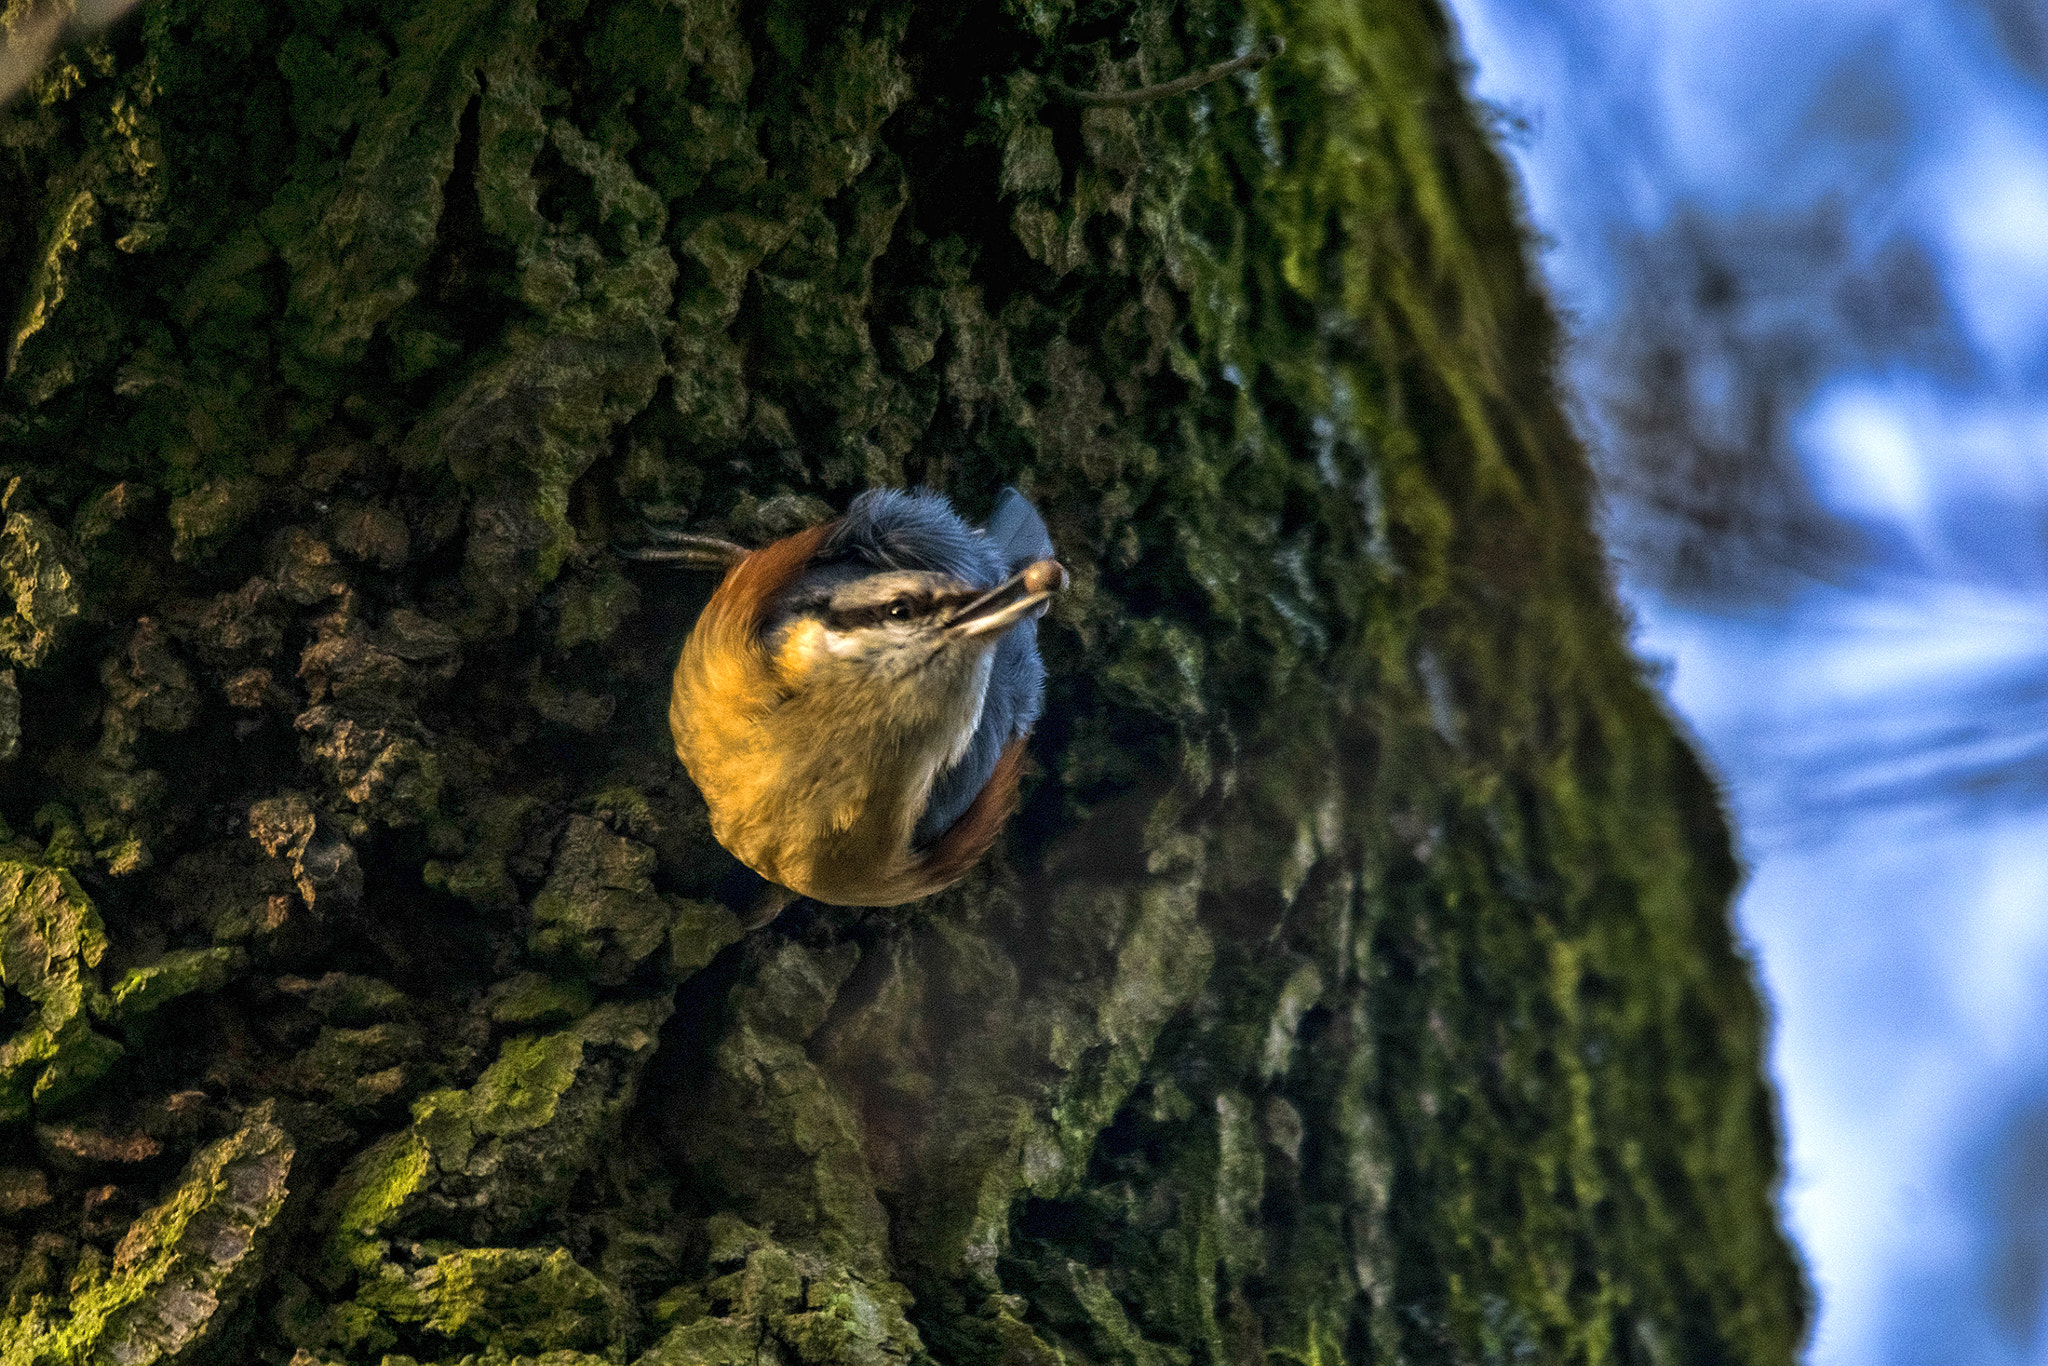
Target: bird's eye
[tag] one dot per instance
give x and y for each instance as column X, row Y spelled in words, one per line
column 899, row 609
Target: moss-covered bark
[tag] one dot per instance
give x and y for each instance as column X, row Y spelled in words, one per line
column 1357, row 982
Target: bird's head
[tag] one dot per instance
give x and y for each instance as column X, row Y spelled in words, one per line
column 885, row 632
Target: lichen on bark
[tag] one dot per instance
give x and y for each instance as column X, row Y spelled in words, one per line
column 1356, row 981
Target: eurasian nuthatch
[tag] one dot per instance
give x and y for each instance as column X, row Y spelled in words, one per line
column 853, row 701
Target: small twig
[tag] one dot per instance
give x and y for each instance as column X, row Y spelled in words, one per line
column 1145, row 94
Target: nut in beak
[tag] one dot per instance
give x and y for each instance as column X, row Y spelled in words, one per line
column 1023, row 594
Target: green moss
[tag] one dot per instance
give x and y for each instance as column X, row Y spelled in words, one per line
column 51, row 942
column 370, row 1193
column 359, row 1069
column 504, row 1300
column 494, row 833
column 770, row 1131
column 809, row 1309
column 200, row 1250
column 699, row 931
column 599, row 909
column 54, row 276
column 520, row 1090
column 355, row 236
column 345, row 998
column 477, row 1163
column 178, row 973
column 516, row 1301
column 41, row 573
column 531, row 999
column 590, row 610
column 1109, row 1329
column 215, row 510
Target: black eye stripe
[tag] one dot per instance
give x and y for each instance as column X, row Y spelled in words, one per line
column 904, row 607
column 855, row 618
column 858, row 618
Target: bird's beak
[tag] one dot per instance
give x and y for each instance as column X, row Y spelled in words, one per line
column 1023, row 594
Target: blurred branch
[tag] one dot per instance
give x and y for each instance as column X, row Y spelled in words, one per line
column 1729, row 326
column 1251, row 61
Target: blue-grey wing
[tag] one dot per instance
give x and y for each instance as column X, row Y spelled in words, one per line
column 1016, row 684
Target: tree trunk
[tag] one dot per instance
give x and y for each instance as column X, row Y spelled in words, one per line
column 1357, row 981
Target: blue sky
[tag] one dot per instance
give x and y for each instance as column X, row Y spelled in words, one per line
column 1880, row 721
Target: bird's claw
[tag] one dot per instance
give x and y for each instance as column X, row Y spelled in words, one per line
column 669, row 544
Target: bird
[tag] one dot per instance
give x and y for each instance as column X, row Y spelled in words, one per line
column 853, row 702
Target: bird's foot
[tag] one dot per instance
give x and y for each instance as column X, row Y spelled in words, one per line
column 662, row 540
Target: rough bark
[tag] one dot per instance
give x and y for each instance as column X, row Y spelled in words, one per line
column 1357, row 982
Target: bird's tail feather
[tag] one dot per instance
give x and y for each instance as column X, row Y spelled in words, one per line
column 1017, row 531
